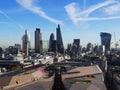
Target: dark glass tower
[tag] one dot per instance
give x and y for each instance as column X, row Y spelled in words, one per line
column 106, row 40
column 38, row 41
column 59, row 42
column 51, row 43
column 77, row 42
column 54, row 46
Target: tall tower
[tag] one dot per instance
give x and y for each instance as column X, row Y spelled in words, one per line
column 51, row 39
column 25, row 43
column 77, row 42
column 38, row 41
column 59, row 40
column 106, row 40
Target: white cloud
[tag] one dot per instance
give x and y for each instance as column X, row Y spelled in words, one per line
column 98, row 19
column 30, row 5
column 112, row 10
column 73, row 11
column 76, row 14
column 95, row 7
column 1, row 12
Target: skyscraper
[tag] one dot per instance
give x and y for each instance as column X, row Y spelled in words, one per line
column 77, row 42
column 51, row 43
column 105, row 40
column 89, row 47
column 25, row 43
column 54, row 47
column 59, row 41
column 45, row 45
column 38, row 41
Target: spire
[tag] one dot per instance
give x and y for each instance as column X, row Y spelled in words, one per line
column 58, row 25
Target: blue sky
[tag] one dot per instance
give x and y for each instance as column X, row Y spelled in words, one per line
column 82, row 19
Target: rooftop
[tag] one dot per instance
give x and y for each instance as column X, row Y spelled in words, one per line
column 82, row 71
column 84, row 78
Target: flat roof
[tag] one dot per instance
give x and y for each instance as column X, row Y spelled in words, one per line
column 84, row 78
column 42, row 84
column 82, row 71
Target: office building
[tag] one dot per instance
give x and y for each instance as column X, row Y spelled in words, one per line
column 38, row 41
column 51, row 42
column 77, row 42
column 106, row 40
column 54, row 46
column 45, row 45
column 11, row 50
column 1, row 50
column 25, row 43
column 89, row 47
column 59, row 41
column 18, row 46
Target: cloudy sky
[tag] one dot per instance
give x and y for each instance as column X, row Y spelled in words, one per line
column 81, row 19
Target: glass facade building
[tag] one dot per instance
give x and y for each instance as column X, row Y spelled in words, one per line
column 106, row 40
column 77, row 42
column 59, row 41
column 38, row 41
column 51, row 42
column 25, row 43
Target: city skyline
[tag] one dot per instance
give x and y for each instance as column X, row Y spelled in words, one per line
column 79, row 19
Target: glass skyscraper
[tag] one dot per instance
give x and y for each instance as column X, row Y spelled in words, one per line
column 52, row 45
column 105, row 40
column 38, row 41
column 59, row 41
column 25, row 43
column 77, row 42
column 44, row 45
